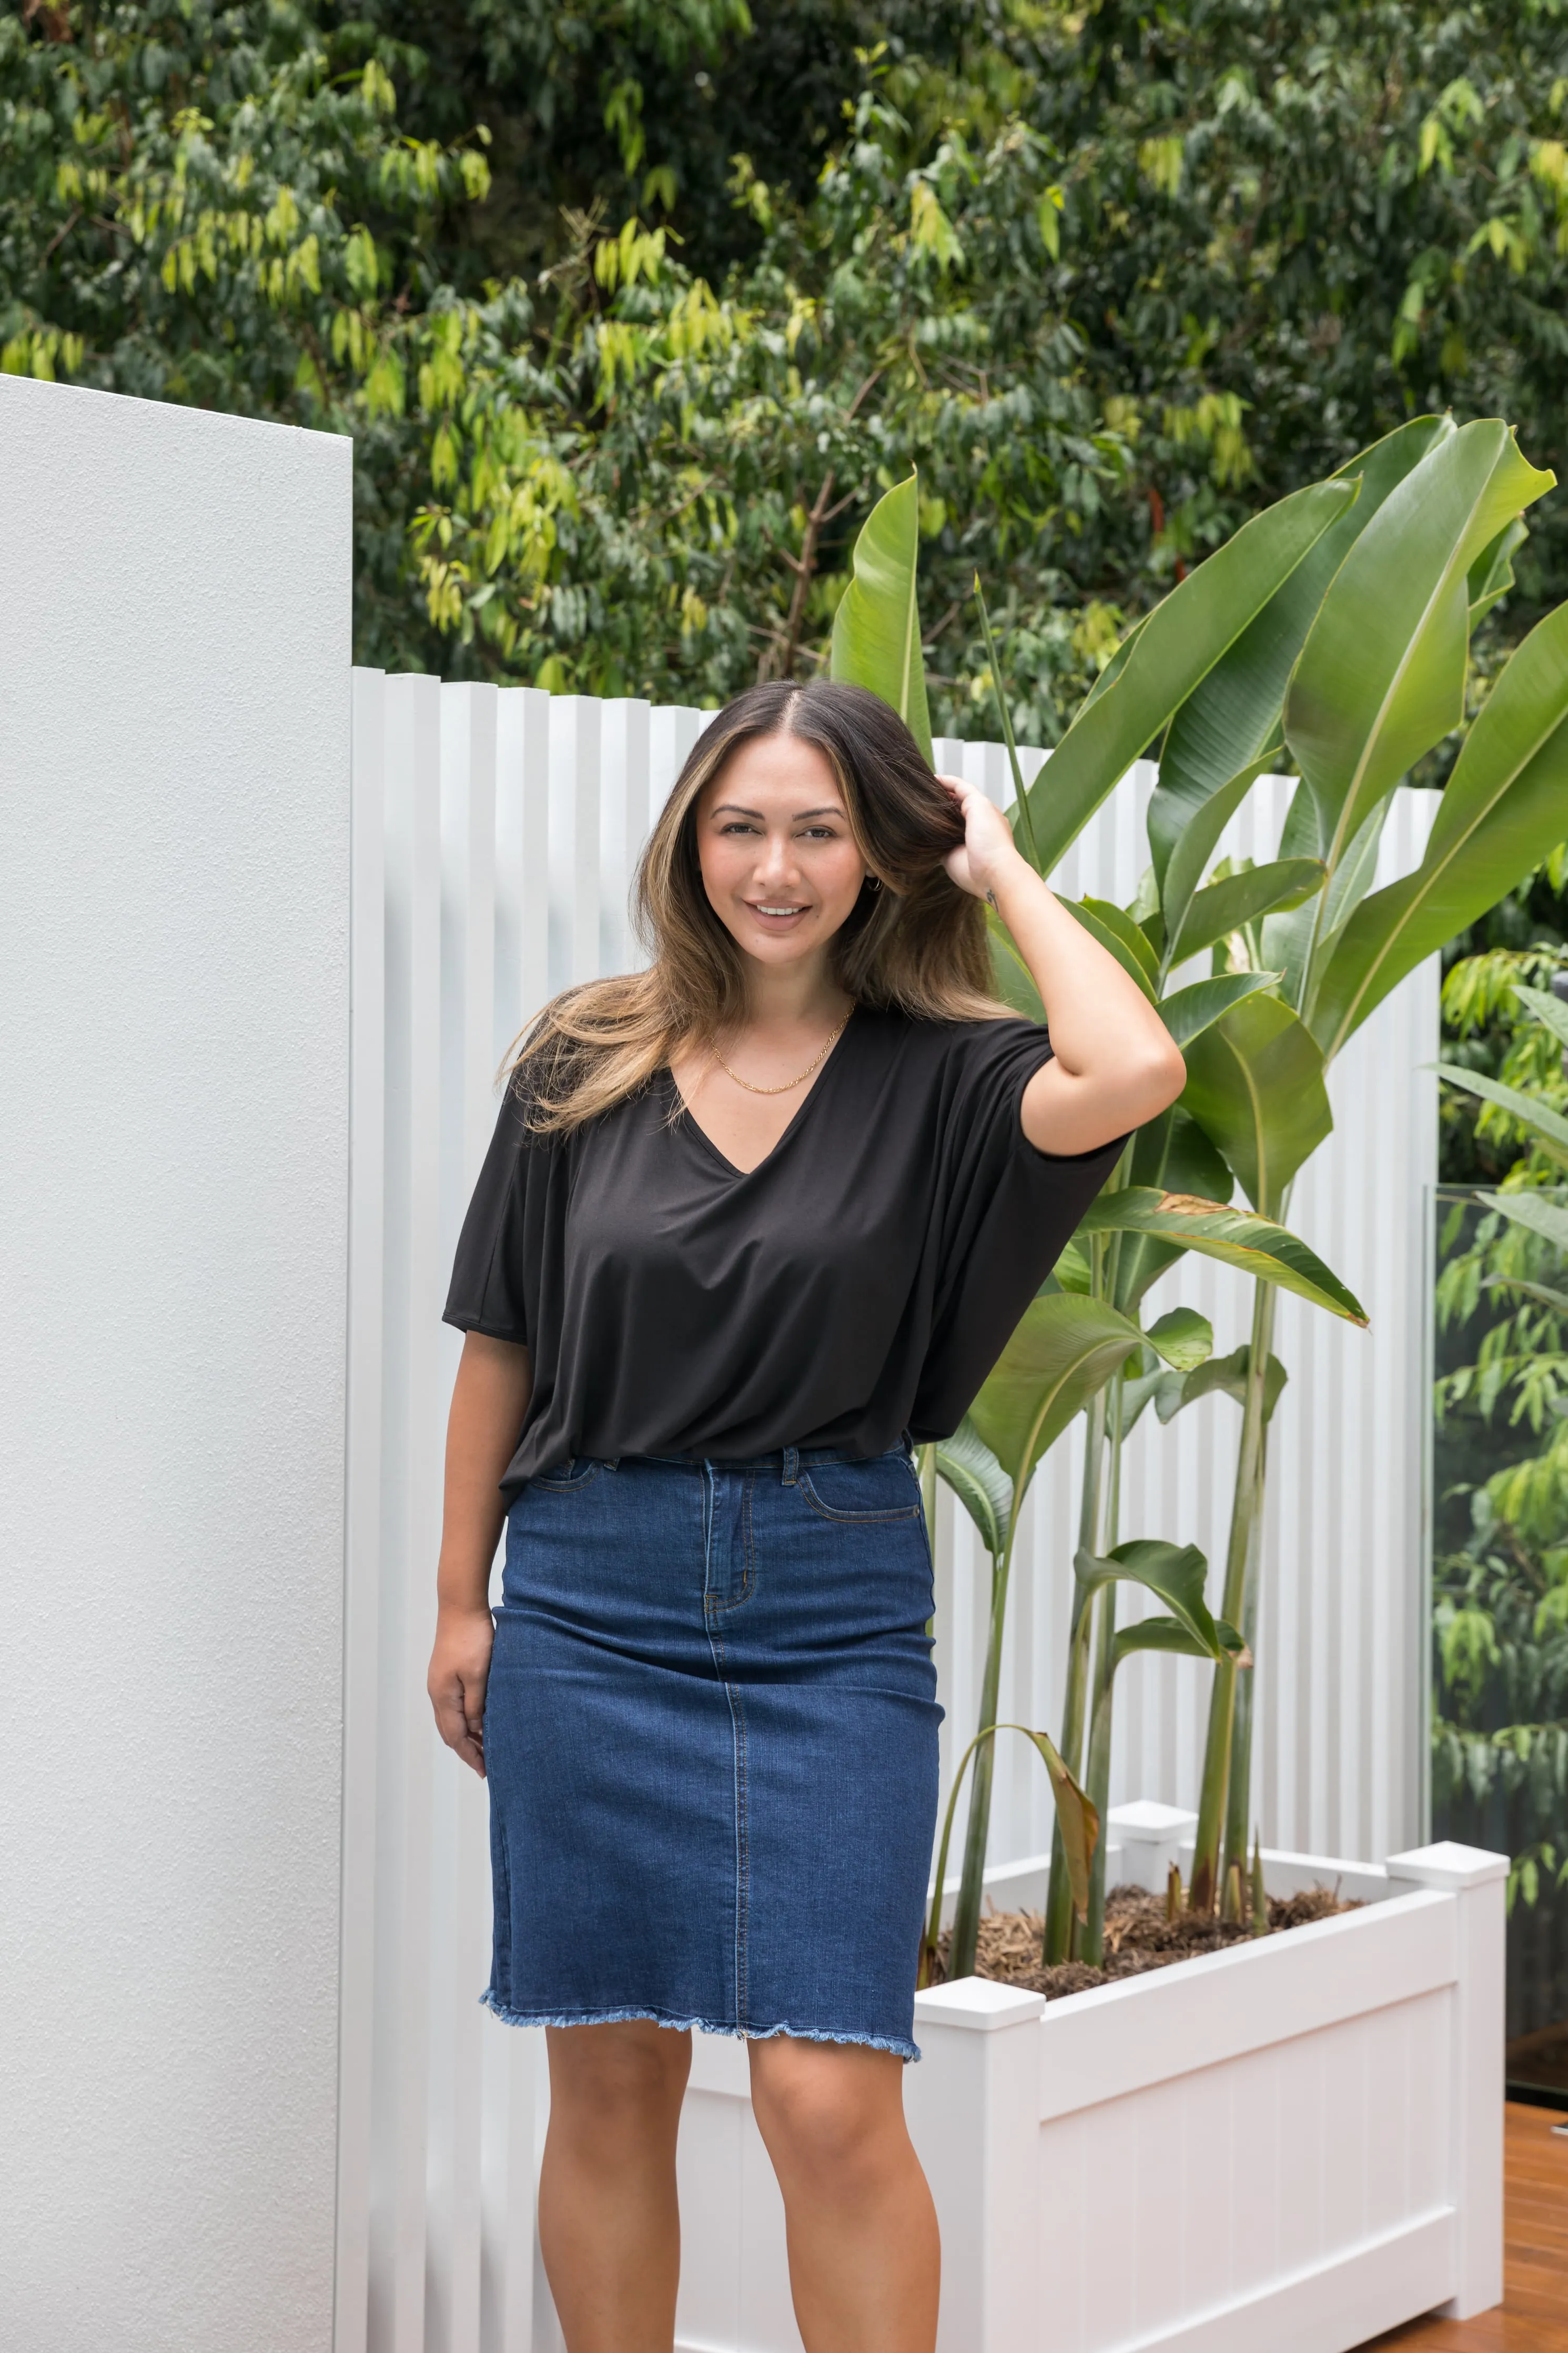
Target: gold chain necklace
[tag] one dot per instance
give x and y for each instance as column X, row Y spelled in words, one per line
column 788, row 1084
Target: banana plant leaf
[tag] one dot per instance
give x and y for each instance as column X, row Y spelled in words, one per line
column 1226, row 1376
column 1128, row 930
column 876, row 628
column 1255, row 1085
column 1220, row 732
column 1237, row 899
column 1234, row 1237
column 1176, row 1574
column 1535, row 1211
column 1311, row 929
column 1168, row 1634
column 1491, row 574
column 1010, row 975
column 1077, row 1815
column 1380, row 677
column 1183, row 1337
column 979, row 1481
column 1187, row 859
column 1500, row 812
column 1065, row 1348
column 1172, row 1154
column 1550, row 1125
column 1188, row 1012
column 1119, row 936
column 1177, row 645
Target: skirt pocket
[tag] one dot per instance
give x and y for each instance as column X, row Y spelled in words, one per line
column 881, row 1487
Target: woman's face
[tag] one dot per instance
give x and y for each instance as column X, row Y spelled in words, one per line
column 779, row 862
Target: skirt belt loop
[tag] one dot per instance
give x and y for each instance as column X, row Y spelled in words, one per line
column 791, row 1464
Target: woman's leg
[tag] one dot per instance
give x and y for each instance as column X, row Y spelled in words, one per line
column 863, row 2256
column 608, row 2224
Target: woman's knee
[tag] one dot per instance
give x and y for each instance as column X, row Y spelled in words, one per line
column 835, row 2110
column 614, row 2077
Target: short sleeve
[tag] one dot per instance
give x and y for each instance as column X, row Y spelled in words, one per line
column 1005, row 1211
column 494, row 1275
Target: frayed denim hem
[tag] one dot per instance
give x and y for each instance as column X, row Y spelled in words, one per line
column 907, row 2051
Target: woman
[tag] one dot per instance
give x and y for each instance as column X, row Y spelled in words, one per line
column 754, row 1223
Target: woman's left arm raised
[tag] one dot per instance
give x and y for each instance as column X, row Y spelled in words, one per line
column 1115, row 1064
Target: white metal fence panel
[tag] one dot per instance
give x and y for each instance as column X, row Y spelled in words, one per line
column 494, row 836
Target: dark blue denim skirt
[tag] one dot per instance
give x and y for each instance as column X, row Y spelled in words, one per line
column 711, row 1737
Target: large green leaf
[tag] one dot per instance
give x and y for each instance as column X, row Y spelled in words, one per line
column 1177, row 645
column 1168, row 1636
column 1217, row 742
column 979, row 1481
column 1236, row 1236
column 1066, row 1347
column 1175, row 1574
column 1172, row 1154
column 1188, row 1012
column 1501, row 810
column 1547, row 1123
column 1313, row 929
column 1119, row 936
column 1187, row 857
column 1237, row 899
column 1226, row 1376
column 1183, row 1337
column 1491, row 574
column 1255, row 1085
column 1010, row 975
column 876, row 628
column 1382, row 676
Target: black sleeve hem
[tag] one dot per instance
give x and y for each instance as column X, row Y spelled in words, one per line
column 1117, row 1145
column 461, row 1321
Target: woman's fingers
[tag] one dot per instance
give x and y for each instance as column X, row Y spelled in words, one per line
column 459, row 1720
column 460, row 1670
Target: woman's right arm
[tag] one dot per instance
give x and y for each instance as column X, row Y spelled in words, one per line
column 489, row 1400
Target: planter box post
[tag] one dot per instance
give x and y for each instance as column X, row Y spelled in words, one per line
column 974, row 2108
column 1478, row 1882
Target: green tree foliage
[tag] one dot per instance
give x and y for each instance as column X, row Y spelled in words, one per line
column 633, row 306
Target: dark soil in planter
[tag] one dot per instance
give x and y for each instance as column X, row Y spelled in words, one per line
column 1137, row 1937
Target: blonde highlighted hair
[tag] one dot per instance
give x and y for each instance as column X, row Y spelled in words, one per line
column 918, row 945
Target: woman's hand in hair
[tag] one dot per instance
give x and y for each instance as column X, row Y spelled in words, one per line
column 987, row 838
column 1115, row 1064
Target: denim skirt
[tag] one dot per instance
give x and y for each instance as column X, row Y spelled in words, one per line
column 710, row 1738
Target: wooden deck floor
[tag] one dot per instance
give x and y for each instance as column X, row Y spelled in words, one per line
column 1534, row 2314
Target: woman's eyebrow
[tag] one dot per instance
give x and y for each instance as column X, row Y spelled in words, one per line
column 734, row 809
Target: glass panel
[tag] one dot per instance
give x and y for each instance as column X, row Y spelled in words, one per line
column 1499, row 1763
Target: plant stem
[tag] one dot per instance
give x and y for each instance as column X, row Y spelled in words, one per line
column 1075, row 1701
column 1025, row 812
column 966, row 1915
column 1096, row 1786
column 1240, row 1582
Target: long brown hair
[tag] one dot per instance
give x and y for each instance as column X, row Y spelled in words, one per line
column 919, row 944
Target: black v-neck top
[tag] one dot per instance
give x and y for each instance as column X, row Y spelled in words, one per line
column 858, row 1282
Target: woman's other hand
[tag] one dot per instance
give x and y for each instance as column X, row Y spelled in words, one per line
column 459, row 1668
column 490, row 1402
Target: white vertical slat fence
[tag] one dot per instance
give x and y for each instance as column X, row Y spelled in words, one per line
column 494, row 836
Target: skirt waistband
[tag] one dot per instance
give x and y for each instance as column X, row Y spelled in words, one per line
column 783, row 1462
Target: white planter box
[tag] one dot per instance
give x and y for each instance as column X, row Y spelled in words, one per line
column 1286, row 2146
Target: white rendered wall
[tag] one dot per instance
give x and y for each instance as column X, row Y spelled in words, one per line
column 174, row 598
